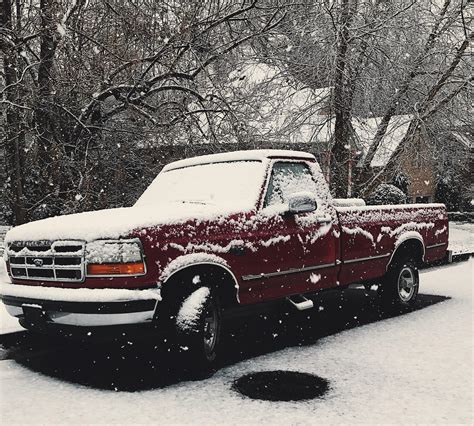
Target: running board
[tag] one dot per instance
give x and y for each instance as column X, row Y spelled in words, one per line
column 300, row 302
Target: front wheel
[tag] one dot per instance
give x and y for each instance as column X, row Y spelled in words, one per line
column 198, row 325
column 400, row 285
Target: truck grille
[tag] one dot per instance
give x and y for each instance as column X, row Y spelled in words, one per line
column 46, row 260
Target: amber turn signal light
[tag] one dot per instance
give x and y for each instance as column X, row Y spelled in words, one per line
column 116, row 268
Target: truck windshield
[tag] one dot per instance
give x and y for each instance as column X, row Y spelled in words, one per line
column 233, row 185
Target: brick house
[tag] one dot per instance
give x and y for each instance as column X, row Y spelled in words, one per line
column 459, row 157
column 417, row 162
column 298, row 114
column 413, row 159
column 423, row 160
column 426, row 159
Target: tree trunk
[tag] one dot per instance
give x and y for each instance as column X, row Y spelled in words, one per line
column 14, row 130
column 47, row 152
column 341, row 149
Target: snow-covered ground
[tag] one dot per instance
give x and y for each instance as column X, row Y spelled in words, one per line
column 3, row 231
column 413, row 368
column 461, row 237
column 8, row 324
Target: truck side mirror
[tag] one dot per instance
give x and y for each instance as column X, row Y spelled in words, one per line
column 302, row 202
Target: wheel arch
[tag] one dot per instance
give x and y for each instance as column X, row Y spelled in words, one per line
column 411, row 243
column 222, row 277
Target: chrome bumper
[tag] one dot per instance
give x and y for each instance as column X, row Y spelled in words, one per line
column 79, row 307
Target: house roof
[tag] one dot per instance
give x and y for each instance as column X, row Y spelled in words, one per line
column 300, row 114
column 289, row 111
column 284, row 108
column 464, row 137
column 366, row 129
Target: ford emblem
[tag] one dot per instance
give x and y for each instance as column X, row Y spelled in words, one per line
column 38, row 262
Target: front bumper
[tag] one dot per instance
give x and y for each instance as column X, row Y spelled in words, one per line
column 38, row 306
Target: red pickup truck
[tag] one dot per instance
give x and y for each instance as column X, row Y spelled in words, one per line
column 212, row 235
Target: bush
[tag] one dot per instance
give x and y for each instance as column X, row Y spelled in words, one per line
column 461, row 217
column 386, row 193
column 449, row 191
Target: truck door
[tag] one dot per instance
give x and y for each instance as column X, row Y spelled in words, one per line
column 301, row 255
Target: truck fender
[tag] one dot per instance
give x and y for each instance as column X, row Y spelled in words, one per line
column 196, row 261
column 403, row 240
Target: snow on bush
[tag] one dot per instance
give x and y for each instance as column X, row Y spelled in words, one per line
column 188, row 315
column 386, row 193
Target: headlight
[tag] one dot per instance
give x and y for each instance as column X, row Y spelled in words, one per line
column 114, row 257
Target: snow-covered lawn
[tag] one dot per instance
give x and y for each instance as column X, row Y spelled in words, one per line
column 461, row 237
column 413, row 368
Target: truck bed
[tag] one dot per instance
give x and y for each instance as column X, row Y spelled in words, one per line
column 371, row 234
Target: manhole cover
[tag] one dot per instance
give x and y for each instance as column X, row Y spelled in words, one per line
column 281, row 385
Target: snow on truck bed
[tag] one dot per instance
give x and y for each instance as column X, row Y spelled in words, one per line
column 396, row 207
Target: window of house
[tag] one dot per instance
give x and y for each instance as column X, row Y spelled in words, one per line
column 288, row 178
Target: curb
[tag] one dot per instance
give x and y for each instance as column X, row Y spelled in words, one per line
column 449, row 259
column 458, row 257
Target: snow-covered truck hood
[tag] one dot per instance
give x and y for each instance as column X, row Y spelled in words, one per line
column 111, row 223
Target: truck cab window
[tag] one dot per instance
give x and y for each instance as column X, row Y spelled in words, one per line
column 288, row 178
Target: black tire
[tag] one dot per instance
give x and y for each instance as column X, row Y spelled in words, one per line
column 200, row 342
column 400, row 285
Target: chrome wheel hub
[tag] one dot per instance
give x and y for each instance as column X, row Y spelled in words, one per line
column 210, row 330
column 406, row 284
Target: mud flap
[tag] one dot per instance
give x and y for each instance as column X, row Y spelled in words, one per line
column 34, row 316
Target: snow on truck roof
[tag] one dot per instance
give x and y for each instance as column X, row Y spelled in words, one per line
column 250, row 155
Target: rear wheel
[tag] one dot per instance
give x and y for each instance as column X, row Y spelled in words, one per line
column 399, row 288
